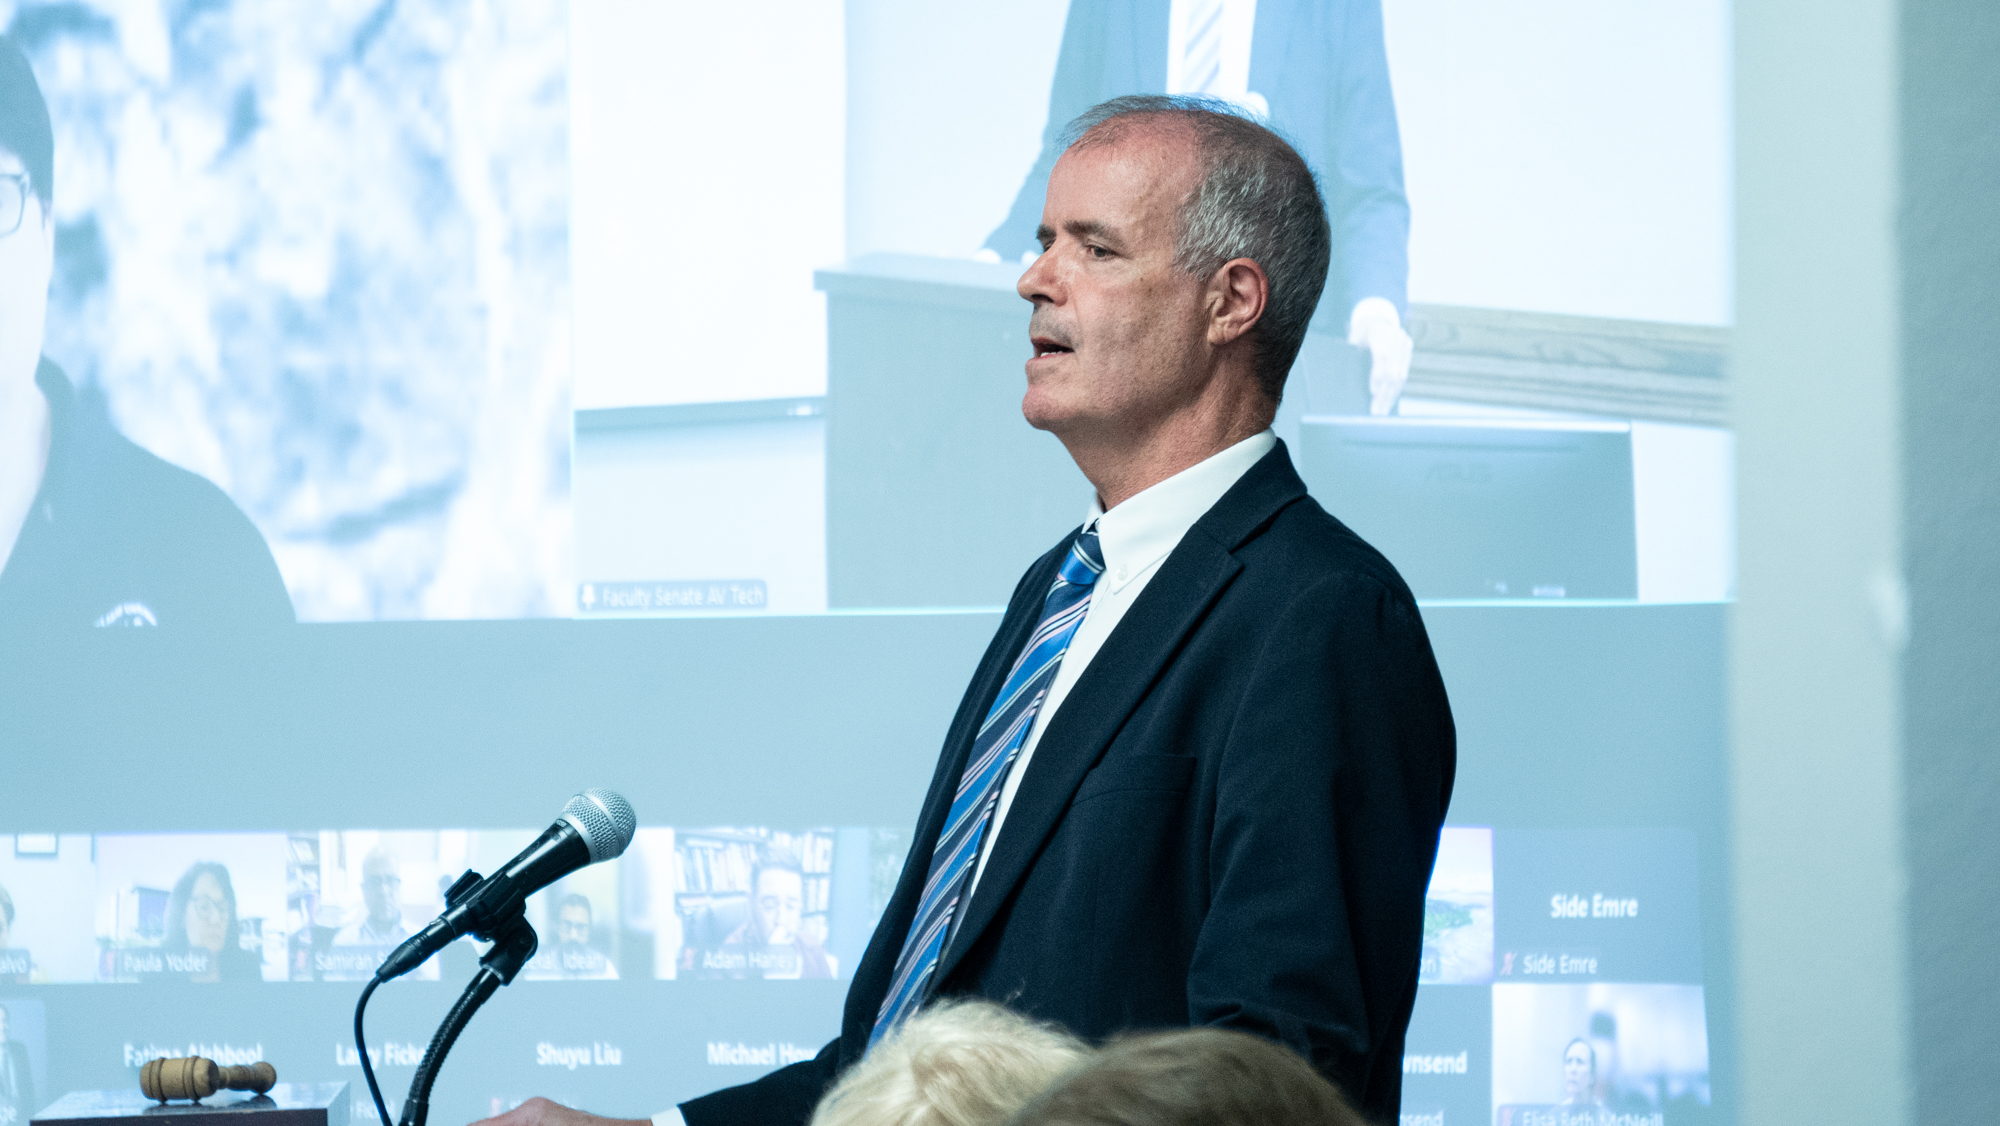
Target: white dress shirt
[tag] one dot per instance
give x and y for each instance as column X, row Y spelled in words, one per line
column 1135, row 537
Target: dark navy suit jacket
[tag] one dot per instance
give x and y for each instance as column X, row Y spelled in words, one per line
column 1231, row 820
column 1321, row 65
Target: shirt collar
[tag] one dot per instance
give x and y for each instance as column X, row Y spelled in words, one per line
column 1140, row 532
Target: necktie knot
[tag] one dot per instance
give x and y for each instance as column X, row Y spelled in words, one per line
column 1085, row 560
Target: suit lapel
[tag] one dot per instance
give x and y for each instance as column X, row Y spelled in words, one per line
column 1146, row 640
column 871, row 978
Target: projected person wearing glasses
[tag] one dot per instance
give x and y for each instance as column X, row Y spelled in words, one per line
column 382, row 895
column 202, row 927
column 358, row 947
column 93, row 529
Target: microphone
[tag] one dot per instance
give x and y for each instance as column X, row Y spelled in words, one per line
column 595, row 825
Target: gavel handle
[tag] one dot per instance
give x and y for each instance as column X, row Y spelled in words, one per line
column 259, row 1077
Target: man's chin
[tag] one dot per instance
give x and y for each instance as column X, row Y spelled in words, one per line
column 1043, row 412
column 1070, row 424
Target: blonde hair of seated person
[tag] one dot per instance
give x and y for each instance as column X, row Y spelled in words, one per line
column 957, row 1063
column 1190, row 1077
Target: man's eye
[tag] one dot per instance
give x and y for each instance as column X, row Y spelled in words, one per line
column 1098, row 252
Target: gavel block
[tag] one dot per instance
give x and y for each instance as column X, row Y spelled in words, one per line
column 196, row 1077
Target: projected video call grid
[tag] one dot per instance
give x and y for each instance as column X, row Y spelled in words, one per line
column 1560, row 979
column 707, row 902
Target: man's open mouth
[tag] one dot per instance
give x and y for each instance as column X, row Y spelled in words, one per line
column 1046, row 347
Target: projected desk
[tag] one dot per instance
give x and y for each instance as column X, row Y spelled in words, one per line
column 923, row 430
column 924, row 382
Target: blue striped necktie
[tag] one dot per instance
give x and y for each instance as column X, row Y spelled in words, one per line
column 994, row 750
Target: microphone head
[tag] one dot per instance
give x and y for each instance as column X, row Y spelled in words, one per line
column 606, row 821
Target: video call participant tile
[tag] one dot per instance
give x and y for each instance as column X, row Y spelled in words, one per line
column 24, row 1060
column 200, row 907
column 1447, row 1057
column 357, row 894
column 47, row 918
column 1579, row 905
column 1458, row 910
column 747, row 903
column 1599, row 1055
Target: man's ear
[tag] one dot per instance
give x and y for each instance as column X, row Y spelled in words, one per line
column 1237, row 293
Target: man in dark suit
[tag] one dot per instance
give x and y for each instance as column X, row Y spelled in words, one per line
column 1319, row 70
column 1199, row 775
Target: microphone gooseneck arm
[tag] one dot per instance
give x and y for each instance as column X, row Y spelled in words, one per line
column 513, row 944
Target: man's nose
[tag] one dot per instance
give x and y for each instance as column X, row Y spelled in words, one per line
column 1039, row 280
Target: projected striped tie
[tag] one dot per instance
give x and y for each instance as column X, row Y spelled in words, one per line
column 993, row 752
column 1201, row 60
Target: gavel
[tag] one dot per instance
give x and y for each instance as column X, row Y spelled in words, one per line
column 197, row 1077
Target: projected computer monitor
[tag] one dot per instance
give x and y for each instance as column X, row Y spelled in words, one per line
column 1483, row 508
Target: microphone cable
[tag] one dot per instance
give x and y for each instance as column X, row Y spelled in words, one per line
column 361, row 1045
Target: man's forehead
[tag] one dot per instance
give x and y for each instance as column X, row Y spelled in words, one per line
column 1158, row 142
column 1143, row 163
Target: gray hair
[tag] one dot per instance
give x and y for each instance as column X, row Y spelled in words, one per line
column 1258, row 199
column 956, row 1063
column 1190, row 1077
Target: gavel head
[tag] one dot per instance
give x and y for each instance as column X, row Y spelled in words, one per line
column 191, row 1078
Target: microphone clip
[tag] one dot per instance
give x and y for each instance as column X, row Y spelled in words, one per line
column 514, row 943
column 460, row 887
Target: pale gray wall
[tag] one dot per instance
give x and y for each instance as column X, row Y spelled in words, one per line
column 1950, row 228
column 1866, row 644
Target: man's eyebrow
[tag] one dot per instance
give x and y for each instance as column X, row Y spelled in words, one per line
column 1090, row 229
column 1045, row 235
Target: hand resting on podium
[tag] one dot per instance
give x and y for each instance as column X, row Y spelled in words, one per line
column 546, row 1112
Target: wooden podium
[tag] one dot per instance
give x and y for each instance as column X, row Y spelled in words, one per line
column 287, row 1104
